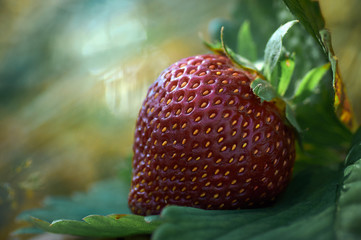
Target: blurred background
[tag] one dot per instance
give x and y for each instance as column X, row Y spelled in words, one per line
column 73, row 75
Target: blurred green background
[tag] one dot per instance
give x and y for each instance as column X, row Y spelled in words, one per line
column 73, row 74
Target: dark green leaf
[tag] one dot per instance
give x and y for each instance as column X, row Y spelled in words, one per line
column 291, row 117
column 348, row 215
column 304, row 212
column 309, row 209
column 274, row 48
column 309, row 82
column 264, row 17
column 357, row 136
column 100, row 226
column 103, row 198
column 325, row 139
column 246, row 46
column 309, row 14
column 264, row 90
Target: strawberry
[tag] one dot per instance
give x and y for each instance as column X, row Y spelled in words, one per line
column 203, row 139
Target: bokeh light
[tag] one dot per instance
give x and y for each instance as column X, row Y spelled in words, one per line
column 73, row 76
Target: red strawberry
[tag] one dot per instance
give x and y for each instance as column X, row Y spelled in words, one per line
column 204, row 140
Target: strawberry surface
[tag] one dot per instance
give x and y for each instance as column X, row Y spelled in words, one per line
column 204, row 140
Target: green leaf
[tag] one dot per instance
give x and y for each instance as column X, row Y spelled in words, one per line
column 308, row 12
column 274, row 48
column 309, row 209
column 313, row 214
column 241, row 61
column 357, row 137
column 264, row 90
column 287, row 66
column 282, row 73
column 291, row 117
column 237, row 59
column 103, row 198
column 214, row 47
column 246, row 45
column 342, row 103
column 324, row 138
column 348, row 214
column 222, row 49
column 100, row 226
column 309, row 82
column 304, row 212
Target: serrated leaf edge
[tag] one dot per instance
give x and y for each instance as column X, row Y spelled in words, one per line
column 51, row 227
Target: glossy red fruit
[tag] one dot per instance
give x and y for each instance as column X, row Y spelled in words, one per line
column 204, row 140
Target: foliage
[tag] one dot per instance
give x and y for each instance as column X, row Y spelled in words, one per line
column 322, row 201
column 117, row 225
column 309, row 13
column 274, row 48
column 103, row 198
column 304, row 212
column 313, row 207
